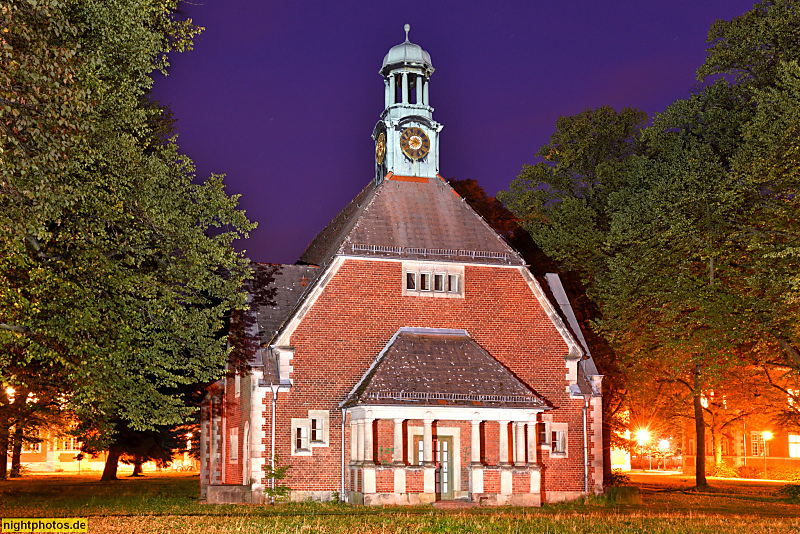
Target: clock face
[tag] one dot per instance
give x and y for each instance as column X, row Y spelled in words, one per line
column 380, row 148
column 414, row 143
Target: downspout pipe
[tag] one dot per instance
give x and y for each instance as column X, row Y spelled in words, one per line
column 341, row 491
column 585, row 446
column 274, row 388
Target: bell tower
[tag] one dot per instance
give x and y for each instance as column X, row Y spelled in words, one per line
column 406, row 137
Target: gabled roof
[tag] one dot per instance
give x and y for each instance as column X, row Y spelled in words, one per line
column 274, row 292
column 437, row 366
column 410, row 218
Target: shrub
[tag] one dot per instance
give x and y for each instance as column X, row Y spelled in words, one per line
column 723, row 470
column 791, row 492
column 618, row 478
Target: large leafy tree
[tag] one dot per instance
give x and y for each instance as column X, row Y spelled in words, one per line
column 689, row 241
column 116, row 265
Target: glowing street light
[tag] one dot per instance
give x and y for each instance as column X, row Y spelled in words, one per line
column 643, row 436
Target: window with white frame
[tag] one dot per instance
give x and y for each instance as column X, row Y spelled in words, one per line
column 424, row 281
column 233, row 445
column 411, row 281
column 794, row 445
column 301, row 439
column 756, row 443
column 433, row 279
column 309, row 432
column 237, row 384
column 558, row 439
column 317, row 430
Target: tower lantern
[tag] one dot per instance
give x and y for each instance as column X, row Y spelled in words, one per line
column 406, row 137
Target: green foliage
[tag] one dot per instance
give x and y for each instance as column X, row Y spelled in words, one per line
column 619, row 478
column 723, row 470
column 275, row 475
column 116, row 266
column 791, row 492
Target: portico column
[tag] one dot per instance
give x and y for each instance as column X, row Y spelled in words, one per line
column 475, row 457
column 360, row 444
column 405, row 88
column 533, row 435
column 397, row 454
column 353, row 441
column 429, row 473
column 504, row 443
column 476, row 471
column 519, row 442
column 368, row 455
column 427, row 442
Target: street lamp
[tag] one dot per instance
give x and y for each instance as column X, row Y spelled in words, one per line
column 766, row 436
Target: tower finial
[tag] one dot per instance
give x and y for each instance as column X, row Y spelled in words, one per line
column 407, row 27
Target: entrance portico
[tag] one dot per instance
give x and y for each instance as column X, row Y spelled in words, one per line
column 417, row 436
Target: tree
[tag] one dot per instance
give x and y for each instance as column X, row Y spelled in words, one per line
column 688, row 247
column 561, row 202
column 116, row 266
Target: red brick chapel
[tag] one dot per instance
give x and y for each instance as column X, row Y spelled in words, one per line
column 409, row 356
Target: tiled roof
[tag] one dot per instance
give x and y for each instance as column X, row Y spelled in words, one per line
column 433, row 366
column 409, row 218
column 275, row 291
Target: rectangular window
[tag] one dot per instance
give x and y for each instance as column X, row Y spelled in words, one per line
column 411, row 281
column 233, row 445
column 425, row 281
column 237, row 384
column 301, row 439
column 794, row 445
column 317, row 435
column 543, row 433
column 438, row 281
column 755, row 440
column 452, row 283
column 559, row 443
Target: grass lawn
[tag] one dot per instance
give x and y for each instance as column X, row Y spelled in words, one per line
column 167, row 502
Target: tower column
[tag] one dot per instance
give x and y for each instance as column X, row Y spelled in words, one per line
column 425, row 92
column 419, row 89
column 405, row 88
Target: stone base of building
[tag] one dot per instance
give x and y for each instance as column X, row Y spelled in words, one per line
column 312, row 496
column 563, row 496
column 228, row 494
column 514, row 499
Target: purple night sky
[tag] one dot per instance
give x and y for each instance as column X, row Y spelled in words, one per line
column 282, row 96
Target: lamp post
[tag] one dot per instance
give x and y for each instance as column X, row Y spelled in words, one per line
column 766, row 436
column 643, row 436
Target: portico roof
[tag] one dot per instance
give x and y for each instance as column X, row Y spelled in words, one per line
column 426, row 366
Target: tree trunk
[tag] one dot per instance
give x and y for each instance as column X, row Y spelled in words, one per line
column 16, row 451
column 607, row 471
column 3, row 452
column 700, row 431
column 137, row 466
column 112, row 461
column 716, row 436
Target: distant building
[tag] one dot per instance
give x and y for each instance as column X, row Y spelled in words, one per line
column 409, row 356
